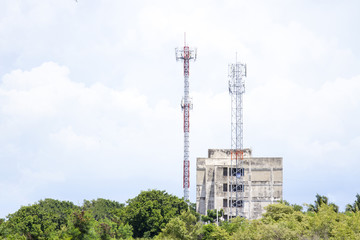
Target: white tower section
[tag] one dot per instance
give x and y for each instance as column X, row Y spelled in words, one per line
column 186, row 55
column 237, row 71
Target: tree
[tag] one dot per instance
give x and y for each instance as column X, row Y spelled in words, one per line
column 102, row 208
column 323, row 221
column 234, row 225
column 284, row 221
column 113, row 229
column 40, row 220
column 213, row 232
column 192, row 207
column 2, row 227
column 151, row 210
column 212, row 215
column 354, row 207
column 81, row 226
column 183, row 227
column 321, row 200
column 295, row 206
column 276, row 212
column 108, row 223
column 250, row 230
column 104, row 231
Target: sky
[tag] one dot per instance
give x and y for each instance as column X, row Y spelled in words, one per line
column 90, row 95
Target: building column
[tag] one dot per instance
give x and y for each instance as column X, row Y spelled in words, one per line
column 250, row 190
column 272, row 185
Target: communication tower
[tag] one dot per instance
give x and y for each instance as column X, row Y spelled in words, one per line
column 236, row 73
column 186, row 54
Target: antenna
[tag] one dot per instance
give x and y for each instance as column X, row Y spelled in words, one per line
column 237, row 71
column 186, row 55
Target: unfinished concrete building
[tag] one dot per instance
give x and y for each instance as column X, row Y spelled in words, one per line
column 263, row 181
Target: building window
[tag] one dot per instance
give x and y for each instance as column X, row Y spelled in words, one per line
column 225, row 202
column 238, row 172
column 225, row 171
column 235, row 203
column 238, row 188
column 225, row 187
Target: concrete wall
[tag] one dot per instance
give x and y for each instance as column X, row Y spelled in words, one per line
column 262, row 183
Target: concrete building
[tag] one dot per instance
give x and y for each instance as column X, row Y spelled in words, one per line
column 263, row 182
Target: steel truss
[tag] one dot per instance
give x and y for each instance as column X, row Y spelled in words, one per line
column 186, row 54
column 237, row 72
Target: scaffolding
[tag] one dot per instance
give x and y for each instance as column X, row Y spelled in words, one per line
column 186, row 54
column 236, row 73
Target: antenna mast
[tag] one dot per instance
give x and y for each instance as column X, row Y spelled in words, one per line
column 186, row 55
column 236, row 73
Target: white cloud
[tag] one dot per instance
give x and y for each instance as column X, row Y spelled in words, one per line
column 119, row 104
column 81, row 131
column 286, row 110
column 71, row 140
column 34, row 94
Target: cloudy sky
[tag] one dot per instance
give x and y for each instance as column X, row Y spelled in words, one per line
column 90, row 94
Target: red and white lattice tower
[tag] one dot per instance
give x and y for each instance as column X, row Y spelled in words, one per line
column 186, row 55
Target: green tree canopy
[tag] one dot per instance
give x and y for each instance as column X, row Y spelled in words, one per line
column 102, row 208
column 354, row 207
column 183, row 227
column 212, row 215
column 151, row 210
column 321, row 200
column 41, row 219
column 81, row 225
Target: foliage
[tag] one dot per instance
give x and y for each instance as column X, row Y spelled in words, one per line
column 234, row 225
column 108, row 224
column 2, row 227
column 192, row 207
column 282, row 221
column 212, row 232
column 107, row 229
column 151, row 210
column 296, row 207
column 53, row 219
column 185, row 226
column 81, row 226
column 40, row 220
column 102, row 208
column 354, row 207
column 276, row 212
column 156, row 214
column 321, row 200
column 212, row 215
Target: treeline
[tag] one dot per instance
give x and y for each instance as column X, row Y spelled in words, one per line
column 158, row 215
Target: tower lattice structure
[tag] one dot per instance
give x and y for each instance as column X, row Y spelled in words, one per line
column 186, row 54
column 236, row 74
